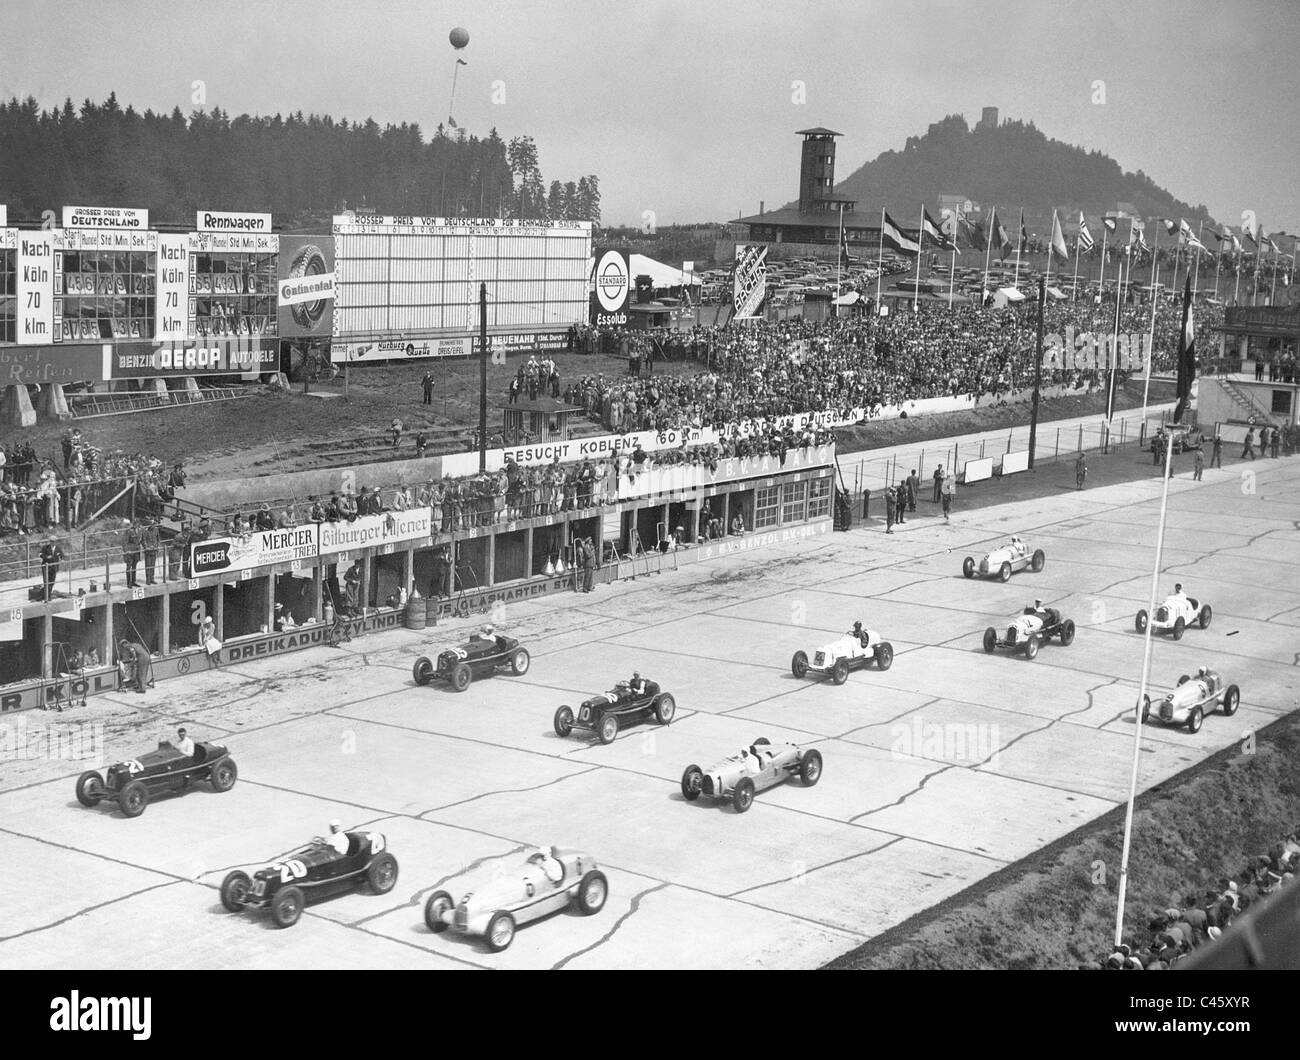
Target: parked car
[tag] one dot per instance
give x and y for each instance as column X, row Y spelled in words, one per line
column 133, row 783
column 548, row 880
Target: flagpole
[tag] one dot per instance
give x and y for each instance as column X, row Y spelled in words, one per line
column 1178, row 246
column 988, row 248
column 1196, row 272
column 1050, row 236
column 1218, row 265
column 920, row 246
column 1151, row 339
column 1074, row 287
column 1101, row 278
column 1236, row 290
column 880, row 263
column 839, row 261
column 1019, row 239
column 1114, row 343
column 952, row 269
column 1272, row 292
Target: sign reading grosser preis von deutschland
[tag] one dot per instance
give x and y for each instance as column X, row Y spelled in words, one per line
column 105, row 217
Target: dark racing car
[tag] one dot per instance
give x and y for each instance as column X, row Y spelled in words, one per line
column 132, row 784
column 314, row 871
column 623, row 705
column 480, row 656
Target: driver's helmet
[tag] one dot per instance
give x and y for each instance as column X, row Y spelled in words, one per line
column 636, row 675
column 1202, row 671
column 1038, row 605
column 488, row 630
column 336, row 827
column 857, row 627
column 1178, row 587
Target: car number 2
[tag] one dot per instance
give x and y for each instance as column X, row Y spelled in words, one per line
column 376, row 842
column 292, row 870
column 134, row 767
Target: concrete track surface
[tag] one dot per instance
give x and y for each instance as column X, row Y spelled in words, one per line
column 938, row 772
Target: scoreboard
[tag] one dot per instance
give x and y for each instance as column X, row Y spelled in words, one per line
column 406, row 279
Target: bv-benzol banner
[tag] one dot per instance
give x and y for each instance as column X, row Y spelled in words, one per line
column 750, row 285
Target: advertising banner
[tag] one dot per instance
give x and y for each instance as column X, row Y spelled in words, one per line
column 105, row 217
column 612, row 283
column 210, row 356
column 398, row 350
column 35, row 289
column 173, row 286
column 368, row 530
column 750, row 285
column 70, row 363
column 306, row 282
column 4, row 215
column 221, row 221
column 224, row 554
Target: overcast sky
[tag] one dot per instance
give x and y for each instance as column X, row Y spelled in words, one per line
column 684, row 107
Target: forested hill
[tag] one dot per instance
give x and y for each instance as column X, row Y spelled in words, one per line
column 301, row 169
column 1010, row 165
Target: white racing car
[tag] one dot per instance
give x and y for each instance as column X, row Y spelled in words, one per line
column 850, row 652
column 1188, row 703
column 1005, row 560
column 760, row 766
column 1174, row 615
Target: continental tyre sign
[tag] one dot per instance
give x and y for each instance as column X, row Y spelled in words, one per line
column 305, row 289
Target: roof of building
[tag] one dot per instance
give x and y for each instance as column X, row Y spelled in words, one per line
column 818, row 131
column 815, row 219
column 547, row 405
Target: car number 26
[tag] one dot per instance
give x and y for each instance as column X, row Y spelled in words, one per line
column 292, row 870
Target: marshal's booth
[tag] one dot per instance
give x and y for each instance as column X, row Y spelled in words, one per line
column 541, row 420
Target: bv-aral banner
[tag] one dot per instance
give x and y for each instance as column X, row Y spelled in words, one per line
column 750, row 285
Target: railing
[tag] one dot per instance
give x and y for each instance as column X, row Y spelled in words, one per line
column 86, row 407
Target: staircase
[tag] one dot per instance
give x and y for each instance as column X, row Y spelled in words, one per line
column 1245, row 399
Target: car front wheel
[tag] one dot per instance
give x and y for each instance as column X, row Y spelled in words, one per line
column 1231, row 700
column 564, row 721
column 134, row 798
column 592, row 892
column 665, row 709
column 422, row 671
column 1040, row 558
column 1206, row 614
column 1004, row 572
column 743, row 797
column 1067, row 632
column 224, row 774
column 990, row 639
column 968, row 567
column 885, row 655
column 799, row 664
column 810, row 768
column 90, row 788
column 438, row 903
column 519, row 662
column 234, row 888
column 692, row 783
column 1140, row 622
column 1194, row 720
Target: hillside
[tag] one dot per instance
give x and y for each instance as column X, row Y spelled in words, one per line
column 1010, row 165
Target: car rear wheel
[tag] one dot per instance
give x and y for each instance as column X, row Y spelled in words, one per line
column 224, row 774
column 884, row 655
column 799, row 663
column 743, row 796
column 234, row 889
column 1067, row 632
column 810, row 768
column 608, row 728
column 968, row 567
column 134, row 798
column 461, row 676
column 519, row 662
column 422, row 671
column 1004, row 572
column 381, row 873
column 665, row 709
column 762, row 741
column 1179, row 626
column 564, row 721
column 1140, row 622
column 1040, row 558
column 592, row 892
column 1205, row 616
column 286, row 907
column 500, row 932
column 1031, row 648
column 840, row 671
column 692, row 783
column 439, row 902
column 90, row 788
column 990, row 639
column 1194, row 720
column 1231, row 700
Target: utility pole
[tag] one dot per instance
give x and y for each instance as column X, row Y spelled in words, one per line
column 1038, row 369
column 482, row 376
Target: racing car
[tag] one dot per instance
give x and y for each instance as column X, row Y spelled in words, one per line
column 1188, row 703
column 850, row 652
column 610, row 711
column 1175, row 615
column 548, row 880
column 760, row 766
column 480, row 656
column 1004, row 560
column 1030, row 629
column 133, row 783
column 315, row 870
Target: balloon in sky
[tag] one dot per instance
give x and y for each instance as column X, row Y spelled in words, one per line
column 459, row 37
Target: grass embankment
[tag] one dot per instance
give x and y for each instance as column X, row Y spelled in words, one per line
column 1056, row 908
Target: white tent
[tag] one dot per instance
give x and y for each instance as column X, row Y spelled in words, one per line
column 851, row 298
column 661, row 275
column 1004, row 295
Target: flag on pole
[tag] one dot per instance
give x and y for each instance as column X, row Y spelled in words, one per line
column 1223, row 234
column 1188, row 237
column 1058, row 237
column 1085, row 237
column 1109, row 221
column 1186, row 354
column 975, row 234
column 1170, row 227
column 1272, row 246
column 1250, row 227
column 930, row 228
column 893, row 235
column 1000, row 234
column 844, row 246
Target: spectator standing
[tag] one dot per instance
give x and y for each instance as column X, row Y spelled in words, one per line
column 913, row 488
column 1080, row 471
column 131, row 553
column 890, row 510
column 427, row 384
column 1249, row 449
column 938, row 483
column 1199, row 464
column 1216, row 457
column 947, row 491
column 1275, row 441
column 900, row 503
column 51, row 557
column 149, row 541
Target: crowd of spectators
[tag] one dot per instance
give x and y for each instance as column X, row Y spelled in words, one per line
column 1174, row 932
